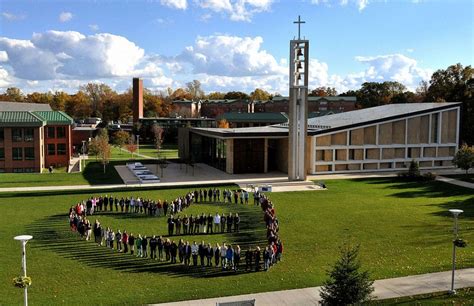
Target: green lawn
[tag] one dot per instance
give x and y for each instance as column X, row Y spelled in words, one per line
column 462, row 297
column 463, row 177
column 403, row 228
column 168, row 151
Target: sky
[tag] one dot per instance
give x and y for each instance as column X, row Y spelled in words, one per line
column 228, row 45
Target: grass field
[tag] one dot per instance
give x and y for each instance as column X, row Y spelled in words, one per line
column 462, row 297
column 403, row 229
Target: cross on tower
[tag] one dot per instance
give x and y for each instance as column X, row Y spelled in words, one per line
column 299, row 22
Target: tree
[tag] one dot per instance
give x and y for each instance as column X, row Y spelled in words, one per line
column 323, row 92
column 414, row 169
column 180, row 94
column 346, row 284
column 78, row 106
column 464, row 158
column 60, row 100
column 40, row 98
column 120, row 138
column 260, row 95
column 451, row 85
column 158, row 136
column 103, row 147
column 374, row 94
column 131, row 145
column 236, row 95
column 97, row 94
column 13, row 94
column 216, row 95
column 223, row 124
column 194, row 89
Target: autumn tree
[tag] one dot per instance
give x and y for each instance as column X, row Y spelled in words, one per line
column 12, row 94
column 78, row 106
column 120, row 138
column 131, row 145
column 236, row 95
column 60, row 100
column 195, row 90
column 180, row 94
column 40, row 98
column 216, row 95
column 97, row 94
column 103, row 147
column 323, row 92
column 375, row 94
column 260, row 95
column 223, row 124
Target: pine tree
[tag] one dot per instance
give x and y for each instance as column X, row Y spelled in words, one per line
column 346, row 284
column 414, row 169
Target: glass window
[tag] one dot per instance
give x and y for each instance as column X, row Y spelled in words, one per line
column 61, row 132
column 51, row 130
column 28, row 134
column 17, row 170
column 2, row 134
column 61, row 149
column 17, row 153
column 16, row 135
column 29, row 153
column 2, row 153
column 51, row 149
column 29, row 170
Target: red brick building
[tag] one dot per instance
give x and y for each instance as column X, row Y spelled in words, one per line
column 33, row 140
column 315, row 104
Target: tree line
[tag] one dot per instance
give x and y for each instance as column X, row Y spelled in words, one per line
column 453, row 84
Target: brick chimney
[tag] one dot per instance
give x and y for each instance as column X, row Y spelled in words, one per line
column 137, row 106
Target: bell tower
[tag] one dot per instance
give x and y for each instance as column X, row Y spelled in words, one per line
column 298, row 108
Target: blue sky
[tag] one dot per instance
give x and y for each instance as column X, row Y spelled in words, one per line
column 228, row 44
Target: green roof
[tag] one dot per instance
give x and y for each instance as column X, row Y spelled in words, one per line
column 54, row 117
column 254, row 117
column 20, row 119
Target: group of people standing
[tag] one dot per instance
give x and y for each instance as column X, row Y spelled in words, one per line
column 225, row 256
column 203, row 224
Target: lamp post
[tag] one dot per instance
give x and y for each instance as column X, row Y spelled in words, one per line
column 24, row 239
column 138, row 144
column 456, row 213
column 83, row 152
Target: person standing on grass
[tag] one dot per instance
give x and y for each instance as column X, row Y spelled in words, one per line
column 118, row 240
column 236, row 197
column 217, row 222
column 194, row 252
column 257, row 259
column 230, row 257
column 246, row 197
column 122, row 204
column 214, row 195
column 248, row 259
column 132, row 206
column 111, row 238
column 153, row 244
column 103, row 201
column 218, row 191
column 209, row 224
column 97, row 232
column 131, row 243
column 236, row 257
column 205, row 195
column 173, row 251
column 201, row 253
column 187, row 254
column 178, row 225
column 241, row 196
column 223, row 222
column 266, row 258
column 144, row 247
column 191, row 225
column 209, row 254
column 181, row 246
column 125, row 241
column 166, row 246
column 217, row 254
column 116, row 202
column 236, row 222
column 223, row 256
column 170, row 225
column 160, row 244
column 230, row 220
column 186, row 224
column 139, row 246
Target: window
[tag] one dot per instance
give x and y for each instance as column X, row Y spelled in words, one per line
column 51, row 130
column 51, row 149
column 29, row 153
column 2, row 153
column 17, row 153
column 409, row 154
column 17, row 170
column 61, row 132
column 351, row 154
column 28, row 134
column 29, row 170
column 16, row 135
column 2, row 135
column 61, row 149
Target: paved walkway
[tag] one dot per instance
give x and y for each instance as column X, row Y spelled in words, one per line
column 384, row 289
column 455, row 182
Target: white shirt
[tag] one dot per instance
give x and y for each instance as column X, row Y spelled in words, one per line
column 194, row 249
column 217, row 219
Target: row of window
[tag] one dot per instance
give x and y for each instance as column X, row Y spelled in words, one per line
column 27, row 134
column 59, row 149
column 28, row 153
column 19, row 170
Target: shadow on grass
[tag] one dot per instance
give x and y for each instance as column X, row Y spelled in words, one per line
column 52, row 233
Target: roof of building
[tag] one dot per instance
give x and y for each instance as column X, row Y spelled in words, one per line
column 373, row 115
column 323, row 113
column 54, row 117
column 23, row 106
column 254, row 117
column 8, row 118
column 315, row 99
column 335, row 122
column 226, row 101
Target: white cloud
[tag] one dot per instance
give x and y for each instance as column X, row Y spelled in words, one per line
column 176, row 4
column 230, row 56
column 5, row 79
column 12, row 17
column 237, row 10
column 65, row 16
column 3, row 56
column 360, row 4
column 94, row 27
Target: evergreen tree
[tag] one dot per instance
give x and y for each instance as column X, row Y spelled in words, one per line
column 414, row 169
column 347, row 284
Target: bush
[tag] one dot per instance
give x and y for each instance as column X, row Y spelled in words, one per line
column 429, row 176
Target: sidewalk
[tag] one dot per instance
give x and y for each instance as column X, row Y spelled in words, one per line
column 455, row 182
column 384, row 289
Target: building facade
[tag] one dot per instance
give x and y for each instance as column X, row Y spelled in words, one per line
column 382, row 138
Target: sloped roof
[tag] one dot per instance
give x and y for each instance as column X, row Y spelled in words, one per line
column 55, row 117
column 315, row 99
column 23, row 106
column 271, row 117
column 8, row 118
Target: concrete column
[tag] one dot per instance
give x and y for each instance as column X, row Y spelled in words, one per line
column 265, row 156
column 229, row 160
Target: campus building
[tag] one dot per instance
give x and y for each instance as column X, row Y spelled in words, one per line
column 380, row 138
column 33, row 137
